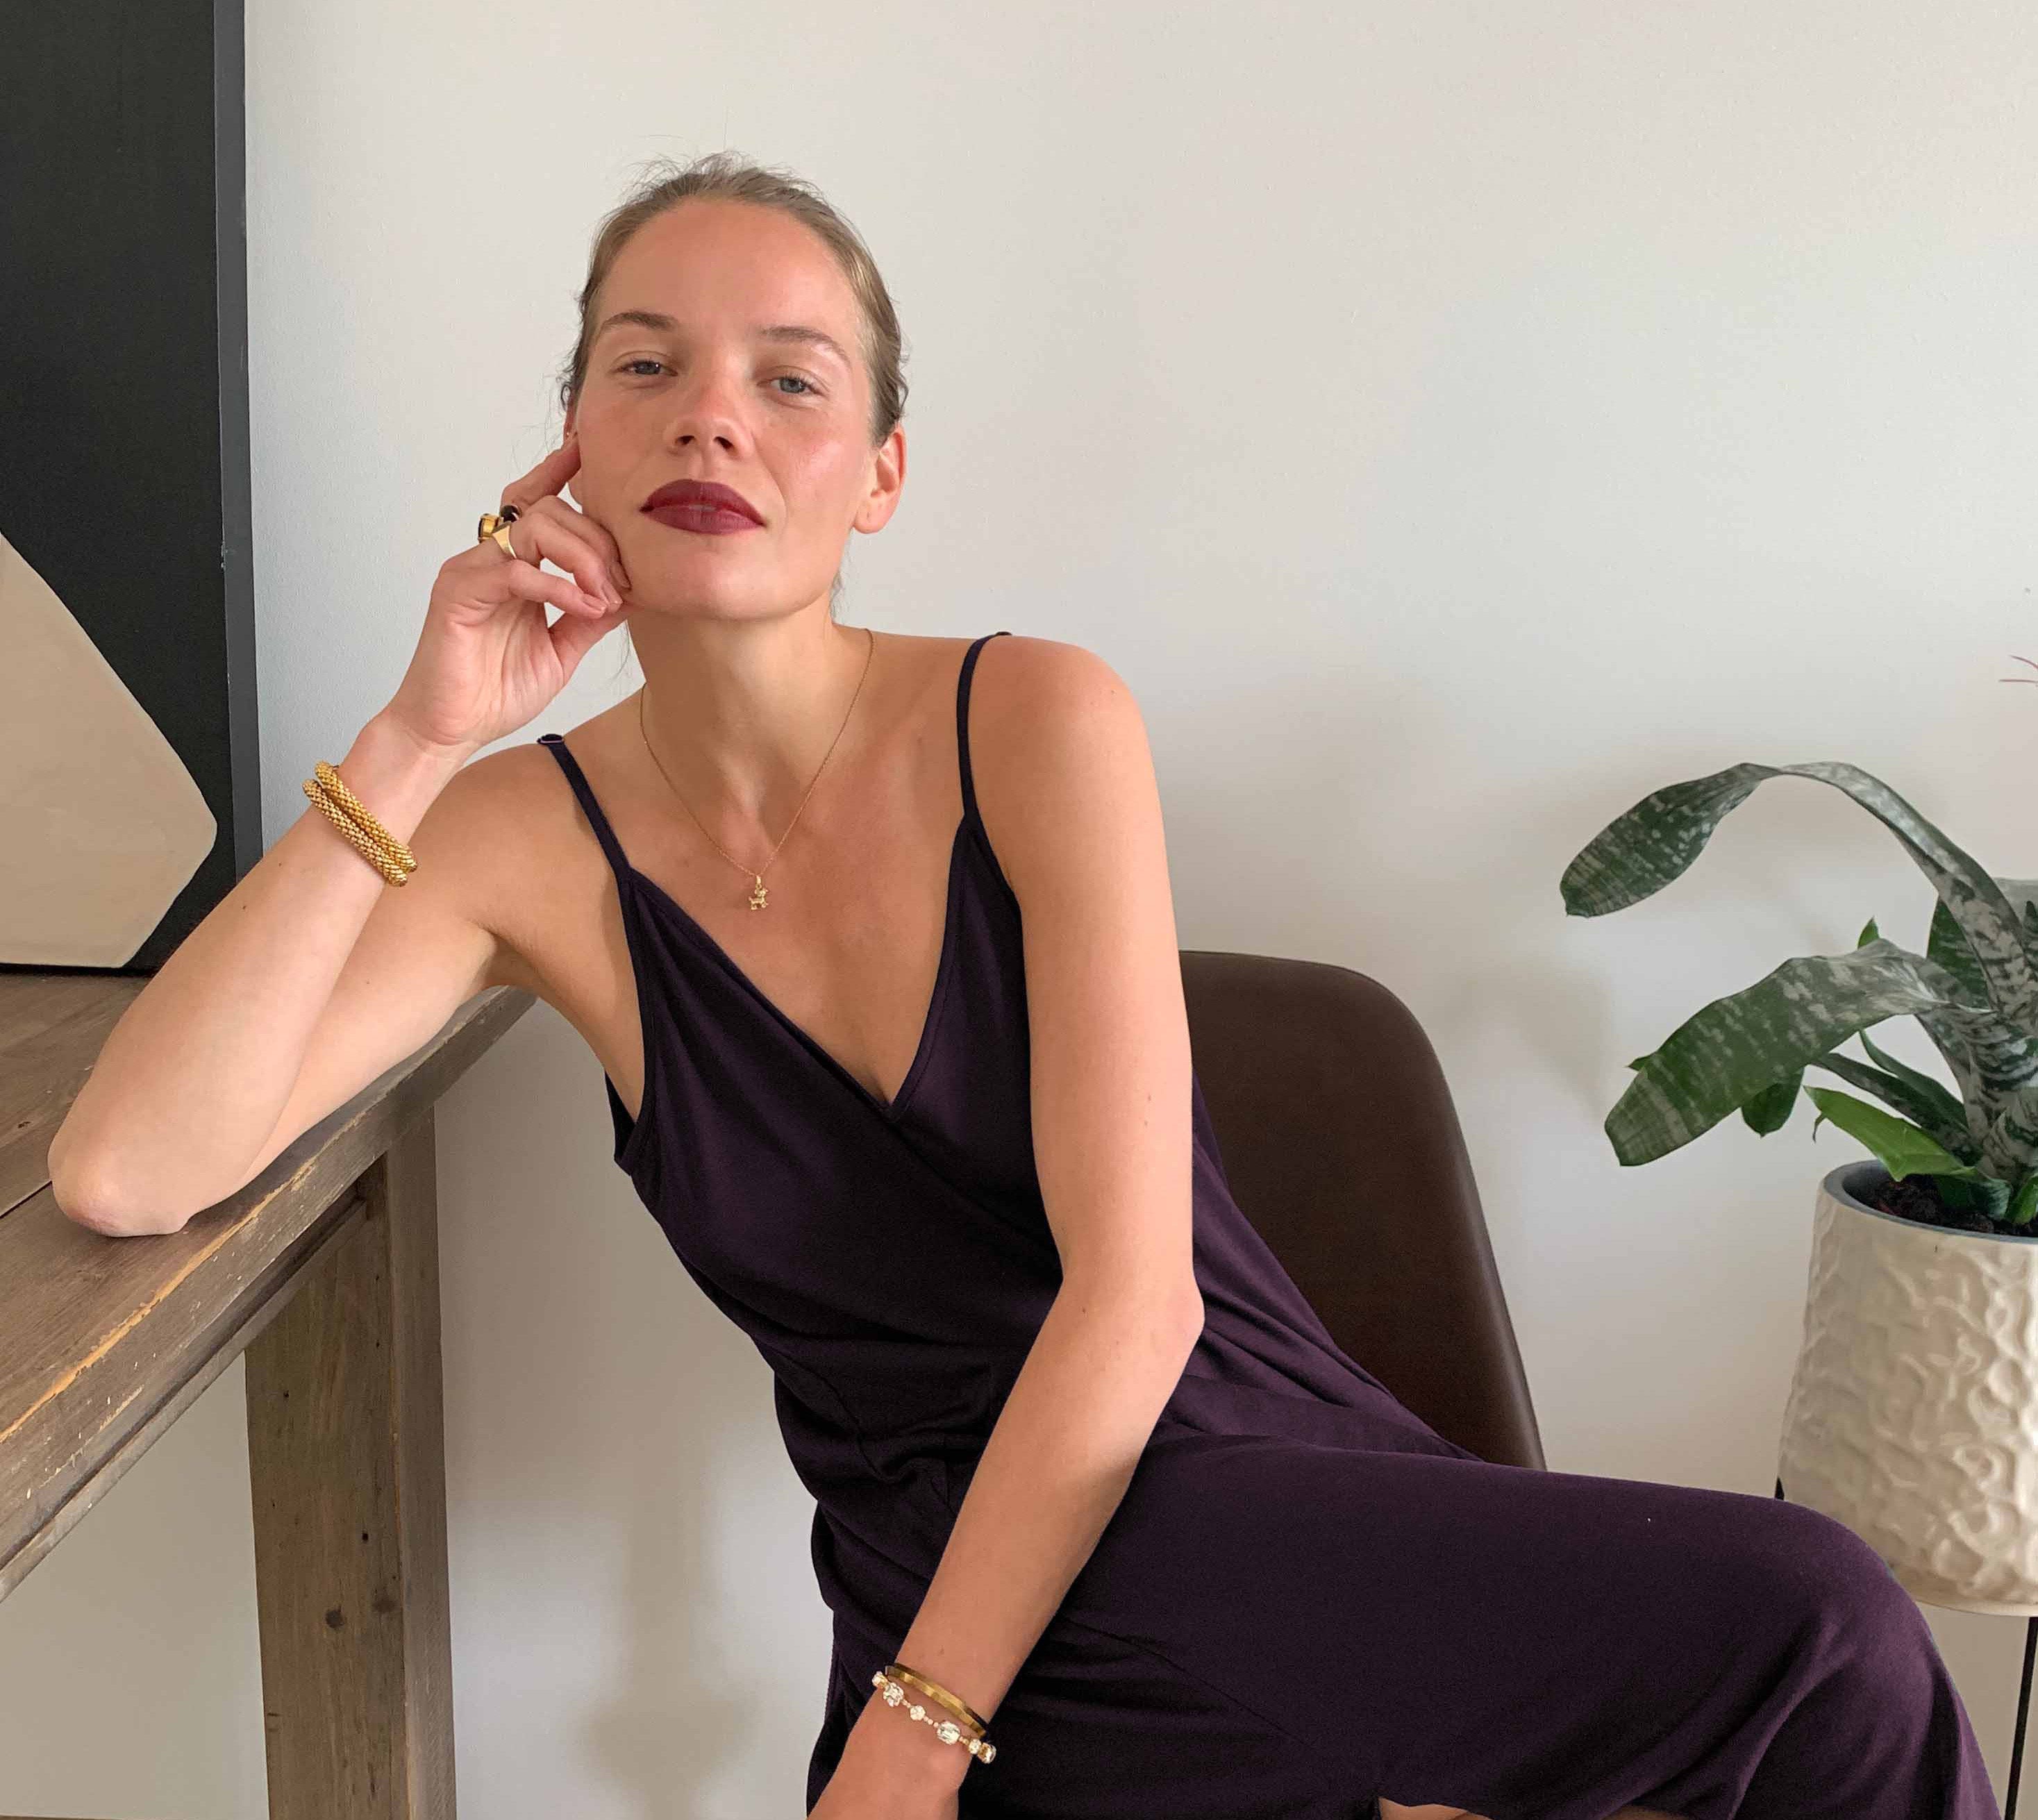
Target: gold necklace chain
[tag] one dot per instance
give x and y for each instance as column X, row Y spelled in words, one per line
column 757, row 892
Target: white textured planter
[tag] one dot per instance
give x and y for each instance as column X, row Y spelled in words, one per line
column 1912, row 1416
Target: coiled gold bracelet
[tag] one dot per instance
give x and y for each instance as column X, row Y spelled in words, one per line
column 389, row 856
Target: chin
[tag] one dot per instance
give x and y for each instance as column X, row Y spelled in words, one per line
column 682, row 601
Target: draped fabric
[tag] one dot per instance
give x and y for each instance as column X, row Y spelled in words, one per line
column 1307, row 1598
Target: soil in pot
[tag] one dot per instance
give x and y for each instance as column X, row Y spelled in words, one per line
column 1914, row 1198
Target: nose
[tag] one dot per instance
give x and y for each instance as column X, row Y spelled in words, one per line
column 703, row 410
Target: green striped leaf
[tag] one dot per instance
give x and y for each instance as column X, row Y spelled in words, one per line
column 1936, row 1092
column 1945, row 943
column 1730, row 1051
column 1937, row 1113
column 1769, row 1110
column 1642, row 851
column 2009, row 1145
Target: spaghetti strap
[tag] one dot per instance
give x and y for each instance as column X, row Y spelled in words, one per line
column 577, row 778
column 962, row 730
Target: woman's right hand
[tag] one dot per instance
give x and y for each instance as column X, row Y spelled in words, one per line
column 487, row 662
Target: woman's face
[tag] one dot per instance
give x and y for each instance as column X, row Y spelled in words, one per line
column 708, row 394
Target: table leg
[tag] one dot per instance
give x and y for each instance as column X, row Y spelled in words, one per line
column 346, row 1443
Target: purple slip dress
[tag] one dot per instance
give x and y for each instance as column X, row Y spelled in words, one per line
column 1307, row 1599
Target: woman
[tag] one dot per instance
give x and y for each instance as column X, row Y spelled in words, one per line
column 874, row 939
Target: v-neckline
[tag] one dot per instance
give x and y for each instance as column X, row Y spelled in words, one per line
column 891, row 1109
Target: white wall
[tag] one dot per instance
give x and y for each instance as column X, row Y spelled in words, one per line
column 1454, row 422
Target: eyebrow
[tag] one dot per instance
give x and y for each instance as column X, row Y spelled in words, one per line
column 788, row 331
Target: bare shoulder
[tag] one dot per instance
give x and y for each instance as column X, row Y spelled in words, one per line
column 1024, row 687
column 1058, row 747
column 509, row 824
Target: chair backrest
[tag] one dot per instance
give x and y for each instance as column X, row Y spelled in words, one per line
column 1341, row 1146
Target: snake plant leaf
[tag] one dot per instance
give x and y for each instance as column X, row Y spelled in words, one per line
column 2009, row 1145
column 1992, row 1061
column 1642, row 851
column 1727, row 1052
column 1769, row 1110
column 2023, row 893
column 1946, row 944
column 1960, row 1126
column 1985, row 1194
column 1951, row 1115
column 1898, row 1145
column 1945, row 1124
column 2024, row 1204
column 1987, row 1059
column 1949, row 1110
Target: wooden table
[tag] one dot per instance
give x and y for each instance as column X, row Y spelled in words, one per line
column 324, row 1272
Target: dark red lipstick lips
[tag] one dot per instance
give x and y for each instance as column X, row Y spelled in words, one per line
column 701, row 506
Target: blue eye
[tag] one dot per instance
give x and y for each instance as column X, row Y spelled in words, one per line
column 812, row 389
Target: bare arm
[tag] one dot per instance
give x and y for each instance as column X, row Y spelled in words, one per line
column 304, row 983
column 314, row 975
column 1065, row 770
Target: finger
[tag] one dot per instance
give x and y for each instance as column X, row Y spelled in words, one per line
column 548, row 476
column 572, row 638
column 524, row 581
column 542, row 537
column 588, row 534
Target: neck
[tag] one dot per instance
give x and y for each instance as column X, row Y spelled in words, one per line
column 741, row 713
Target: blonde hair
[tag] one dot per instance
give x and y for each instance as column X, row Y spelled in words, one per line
column 724, row 176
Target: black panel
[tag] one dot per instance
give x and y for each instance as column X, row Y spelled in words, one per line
column 123, row 373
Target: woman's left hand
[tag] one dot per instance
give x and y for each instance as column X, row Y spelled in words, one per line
column 893, row 1767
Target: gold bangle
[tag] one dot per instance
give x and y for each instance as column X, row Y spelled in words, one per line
column 374, row 843
column 394, row 874
column 933, row 1690
column 892, row 1691
column 328, row 793
column 335, row 787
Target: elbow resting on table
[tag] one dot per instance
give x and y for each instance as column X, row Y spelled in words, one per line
column 86, row 1201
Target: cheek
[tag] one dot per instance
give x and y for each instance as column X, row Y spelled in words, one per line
column 600, row 483
column 828, row 476
column 589, row 494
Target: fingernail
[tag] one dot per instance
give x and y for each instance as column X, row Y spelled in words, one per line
column 608, row 589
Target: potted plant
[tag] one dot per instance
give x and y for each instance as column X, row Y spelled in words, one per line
column 1912, row 1416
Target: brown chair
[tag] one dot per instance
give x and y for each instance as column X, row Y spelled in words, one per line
column 1341, row 1146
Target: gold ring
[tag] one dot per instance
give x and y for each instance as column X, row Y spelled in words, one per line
column 496, row 526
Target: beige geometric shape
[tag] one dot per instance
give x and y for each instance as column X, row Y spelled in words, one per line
column 101, row 824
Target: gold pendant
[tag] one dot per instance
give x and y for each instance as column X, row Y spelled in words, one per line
column 757, row 893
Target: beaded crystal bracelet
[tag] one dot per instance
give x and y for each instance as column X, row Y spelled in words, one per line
column 946, row 1730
